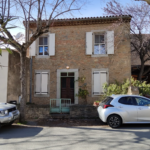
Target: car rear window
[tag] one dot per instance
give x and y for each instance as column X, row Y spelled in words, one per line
column 107, row 100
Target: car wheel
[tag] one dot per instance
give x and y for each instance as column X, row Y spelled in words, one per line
column 114, row 121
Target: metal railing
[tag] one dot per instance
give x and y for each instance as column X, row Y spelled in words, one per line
column 60, row 105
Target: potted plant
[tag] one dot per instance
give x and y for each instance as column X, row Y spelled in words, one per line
column 96, row 103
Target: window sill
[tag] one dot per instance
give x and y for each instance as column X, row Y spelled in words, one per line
column 41, row 95
column 38, row 56
column 100, row 55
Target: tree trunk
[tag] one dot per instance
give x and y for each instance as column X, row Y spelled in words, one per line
column 23, row 85
column 141, row 72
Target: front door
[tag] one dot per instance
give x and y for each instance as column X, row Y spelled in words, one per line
column 67, row 88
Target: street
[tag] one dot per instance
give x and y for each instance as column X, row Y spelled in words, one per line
column 23, row 137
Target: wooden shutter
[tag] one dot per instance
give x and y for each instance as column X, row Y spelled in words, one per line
column 103, row 79
column 96, row 88
column 110, row 42
column 89, row 44
column 44, row 83
column 32, row 48
column 37, row 83
column 51, row 44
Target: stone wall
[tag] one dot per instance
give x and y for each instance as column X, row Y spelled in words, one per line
column 70, row 50
column 14, row 86
column 81, row 111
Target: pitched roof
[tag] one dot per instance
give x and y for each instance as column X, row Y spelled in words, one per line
column 86, row 20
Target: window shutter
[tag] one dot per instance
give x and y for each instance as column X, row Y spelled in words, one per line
column 32, row 48
column 89, row 43
column 110, row 42
column 51, row 44
column 38, row 83
column 44, row 83
column 96, row 90
column 103, row 79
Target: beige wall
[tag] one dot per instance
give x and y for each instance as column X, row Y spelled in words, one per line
column 3, row 76
column 70, row 51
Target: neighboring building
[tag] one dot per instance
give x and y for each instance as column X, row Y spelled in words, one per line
column 136, row 65
column 3, row 75
column 73, row 48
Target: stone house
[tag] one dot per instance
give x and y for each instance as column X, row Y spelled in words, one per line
column 73, row 48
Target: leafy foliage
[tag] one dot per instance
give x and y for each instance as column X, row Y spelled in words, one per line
column 122, row 88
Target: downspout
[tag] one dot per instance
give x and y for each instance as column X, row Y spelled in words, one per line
column 31, row 79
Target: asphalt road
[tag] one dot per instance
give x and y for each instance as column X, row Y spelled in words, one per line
column 128, row 137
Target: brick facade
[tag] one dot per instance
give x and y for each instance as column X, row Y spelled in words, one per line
column 70, row 46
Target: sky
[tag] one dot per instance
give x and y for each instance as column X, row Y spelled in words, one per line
column 93, row 9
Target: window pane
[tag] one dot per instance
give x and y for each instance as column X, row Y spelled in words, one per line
column 45, row 41
column 45, row 50
column 102, row 49
column 127, row 101
column 96, row 49
column 142, row 101
column 41, row 41
column 70, row 74
column 63, row 74
column 97, row 38
column 101, row 38
column 40, row 50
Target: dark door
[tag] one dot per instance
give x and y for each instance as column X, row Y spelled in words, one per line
column 67, row 88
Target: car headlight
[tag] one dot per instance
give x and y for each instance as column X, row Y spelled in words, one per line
column 3, row 112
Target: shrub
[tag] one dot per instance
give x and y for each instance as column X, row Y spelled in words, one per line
column 122, row 88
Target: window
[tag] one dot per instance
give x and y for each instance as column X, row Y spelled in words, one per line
column 142, row 101
column 99, row 44
column 43, row 46
column 128, row 101
column 42, row 83
column 99, row 78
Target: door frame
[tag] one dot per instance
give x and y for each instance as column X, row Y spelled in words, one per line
column 59, row 71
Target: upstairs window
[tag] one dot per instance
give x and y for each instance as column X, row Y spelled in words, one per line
column 43, row 46
column 99, row 44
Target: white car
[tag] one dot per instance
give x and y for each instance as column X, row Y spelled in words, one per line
column 8, row 114
column 120, row 109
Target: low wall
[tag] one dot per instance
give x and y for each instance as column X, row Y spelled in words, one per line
column 35, row 111
column 76, row 111
column 81, row 111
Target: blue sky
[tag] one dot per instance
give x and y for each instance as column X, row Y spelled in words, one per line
column 92, row 9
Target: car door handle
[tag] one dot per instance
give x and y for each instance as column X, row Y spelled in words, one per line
column 120, row 107
column 140, row 108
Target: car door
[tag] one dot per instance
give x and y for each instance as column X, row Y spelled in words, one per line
column 129, row 108
column 143, row 109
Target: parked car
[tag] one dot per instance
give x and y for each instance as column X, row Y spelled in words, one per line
column 8, row 113
column 121, row 109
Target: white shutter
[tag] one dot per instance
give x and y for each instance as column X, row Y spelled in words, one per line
column 44, row 84
column 37, row 83
column 110, row 42
column 51, row 44
column 97, row 86
column 103, row 79
column 88, row 43
column 32, row 48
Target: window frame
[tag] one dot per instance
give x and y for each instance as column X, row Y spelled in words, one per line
column 43, row 45
column 48, row 85
column 133, row 98
column 101, row 32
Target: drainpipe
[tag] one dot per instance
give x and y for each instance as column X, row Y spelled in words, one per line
column 31, row 79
